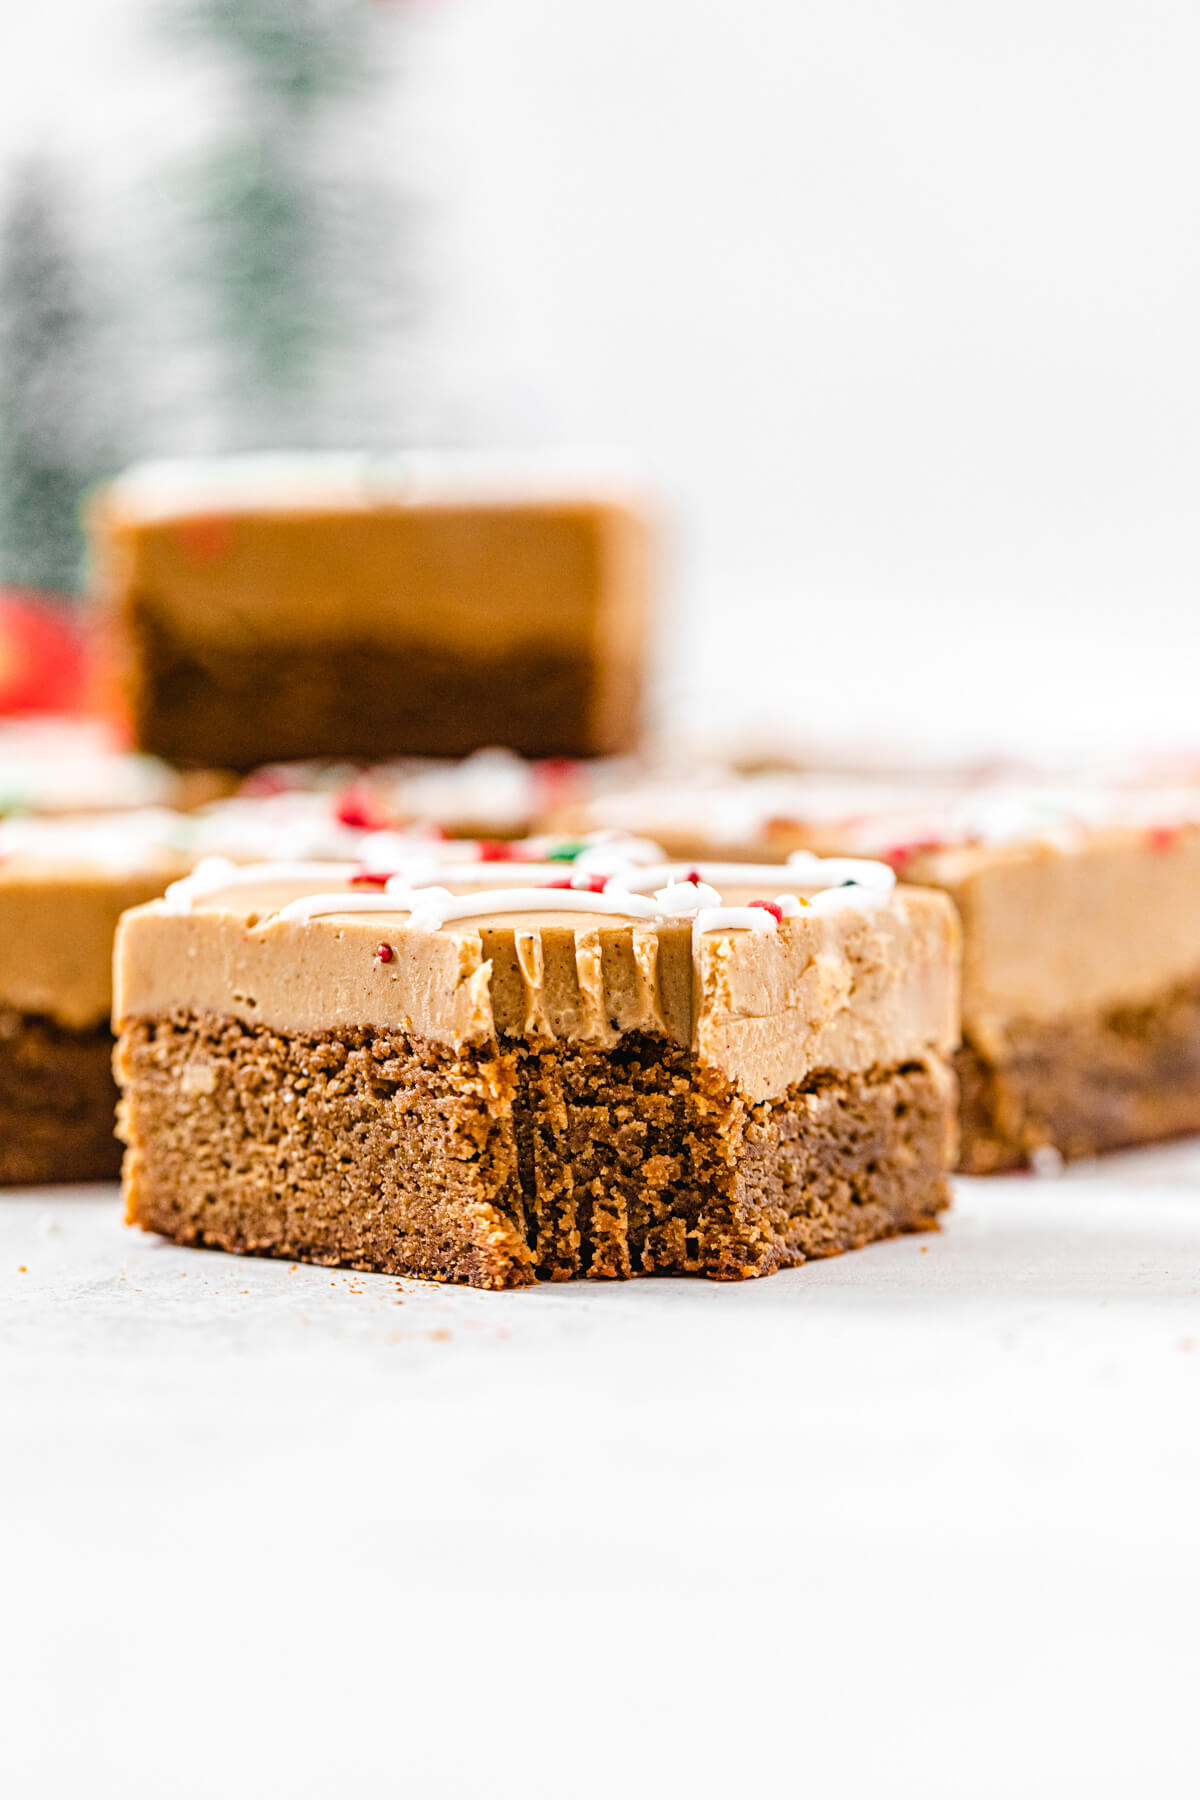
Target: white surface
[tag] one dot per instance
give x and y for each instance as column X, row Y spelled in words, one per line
column 900, row 302
column 921, row 1520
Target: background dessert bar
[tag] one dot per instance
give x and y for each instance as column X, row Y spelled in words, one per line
column 1081, row 970
column 269, row 608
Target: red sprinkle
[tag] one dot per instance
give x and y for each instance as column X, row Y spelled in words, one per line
column 369, row 878
column 384, row 953
column 900, row 855
column 205, row 540
column 358, row 811
column 495, row 850
column 1163, row 837
column 595, row 884
column 771, row 906
column 692, row 875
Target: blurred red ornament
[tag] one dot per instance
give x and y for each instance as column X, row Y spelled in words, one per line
column 42, row 658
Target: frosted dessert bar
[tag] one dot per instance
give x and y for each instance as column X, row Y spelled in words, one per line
column 64, row 883
column 264, row 608
column 63, row 886
column 496, row 1075
column 1081, row 934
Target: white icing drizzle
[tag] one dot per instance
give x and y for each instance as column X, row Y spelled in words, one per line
column 436, row 907
column 839, row 883
column 686, row 897
column 414, row 889
column 431, row 907
column 734, row 918
column 393, row 899
column 703, row 903
column 216, row 873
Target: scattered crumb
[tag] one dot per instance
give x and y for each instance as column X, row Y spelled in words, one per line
column 1187, row 1343
column 924, row 1249
column 439, row 1337
column 22, row 1270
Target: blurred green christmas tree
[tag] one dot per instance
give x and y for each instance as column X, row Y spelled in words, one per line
column 50, row 433
column 292, row 240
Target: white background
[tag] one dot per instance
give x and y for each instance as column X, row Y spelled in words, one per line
column 918, row 1523
column 898, row 302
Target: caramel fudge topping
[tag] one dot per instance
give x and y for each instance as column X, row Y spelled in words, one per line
column 843, row 972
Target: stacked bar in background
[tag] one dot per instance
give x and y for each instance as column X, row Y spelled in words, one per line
column 283, row 607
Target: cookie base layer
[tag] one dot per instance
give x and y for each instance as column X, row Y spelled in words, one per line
column 1130, row 1076
column 502, row 1165
column 57, row 1103
column 367, row 701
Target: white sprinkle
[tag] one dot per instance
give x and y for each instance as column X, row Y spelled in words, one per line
column 687, row 897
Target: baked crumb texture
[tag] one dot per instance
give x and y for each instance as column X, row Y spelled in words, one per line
column 57, row 1101
column 239, row 708
column 504, row 1163
column 374, row 627
column 1127, row 1076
